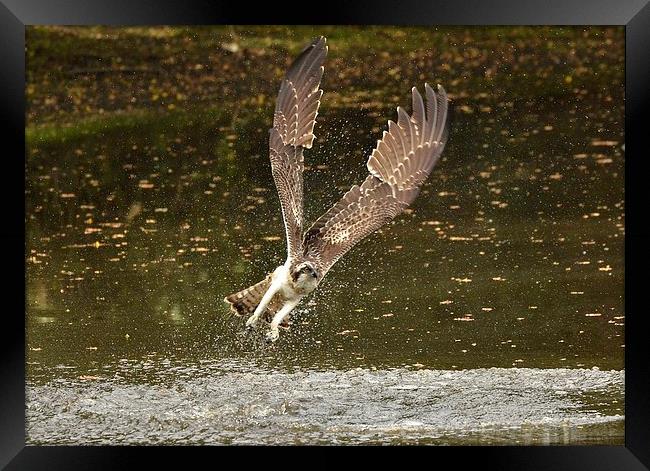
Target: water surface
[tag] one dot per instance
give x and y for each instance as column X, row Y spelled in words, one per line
column 232, row 402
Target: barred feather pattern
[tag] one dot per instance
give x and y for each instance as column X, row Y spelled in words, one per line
column 408, row 151
column 299, row 97
column 401, row 162
column 244, row 302
column 287, row 165
column 293, row 125
column 361, row 211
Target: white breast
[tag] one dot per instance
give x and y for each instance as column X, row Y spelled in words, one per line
column 282, row 279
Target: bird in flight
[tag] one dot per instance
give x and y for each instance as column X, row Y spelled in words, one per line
column 399, row 164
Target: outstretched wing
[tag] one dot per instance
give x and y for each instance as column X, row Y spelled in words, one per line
column 292, row 131
column 398, row 166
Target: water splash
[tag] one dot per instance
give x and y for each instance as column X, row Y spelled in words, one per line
column 234, row 402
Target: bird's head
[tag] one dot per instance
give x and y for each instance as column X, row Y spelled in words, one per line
column 304, row 272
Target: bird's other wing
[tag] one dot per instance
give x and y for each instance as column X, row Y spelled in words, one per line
column 292, row 131
column 398, row 166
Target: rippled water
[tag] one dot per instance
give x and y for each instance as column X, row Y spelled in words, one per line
column 228, row 402
column 491, row 312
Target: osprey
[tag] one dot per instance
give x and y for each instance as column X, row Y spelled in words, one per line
column 399, row 164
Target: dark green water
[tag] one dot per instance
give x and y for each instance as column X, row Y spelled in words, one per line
column 490, row 313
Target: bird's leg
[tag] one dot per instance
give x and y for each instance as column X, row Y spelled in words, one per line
column 274, row 332
column 261, row 307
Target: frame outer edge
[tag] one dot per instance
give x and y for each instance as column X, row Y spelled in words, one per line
column 12, row 347
column 637, row 115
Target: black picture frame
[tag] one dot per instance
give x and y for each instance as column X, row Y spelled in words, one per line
column 633, row 14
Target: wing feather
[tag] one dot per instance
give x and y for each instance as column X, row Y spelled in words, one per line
column 398, row 166
column 299, row 97
column 418, row 114
column 293, row 126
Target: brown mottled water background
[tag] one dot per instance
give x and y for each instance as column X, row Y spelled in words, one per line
column 490, row 313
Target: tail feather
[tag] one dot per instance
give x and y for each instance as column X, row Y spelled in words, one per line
column 244, row 302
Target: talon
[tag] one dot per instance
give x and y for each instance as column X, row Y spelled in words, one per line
column 272, row 336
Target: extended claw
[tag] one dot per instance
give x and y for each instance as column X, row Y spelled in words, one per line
column 250, row 323
column 272, row 335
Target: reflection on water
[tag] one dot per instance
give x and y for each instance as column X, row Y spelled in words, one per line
column 512, row 256
column 229, row 402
